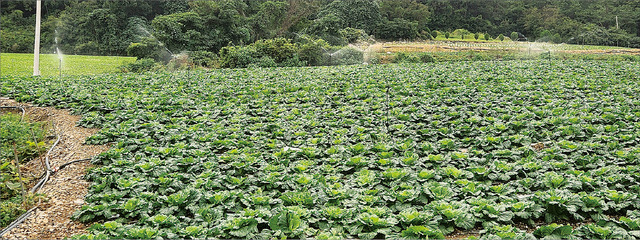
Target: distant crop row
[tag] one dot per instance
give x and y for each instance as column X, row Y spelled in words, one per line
column 382, row 151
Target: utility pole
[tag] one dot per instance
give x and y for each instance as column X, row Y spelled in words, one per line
column 36, row 44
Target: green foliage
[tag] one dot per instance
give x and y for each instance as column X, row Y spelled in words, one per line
column 108, row 28
column 148, row 48
column 264, row 61
column 505, row 232
column 397, row 29
column 266, row 22
column 426, row 58
column 353, row 35
column 16, row 34
column 288, row 223
column 410, row 10
column 476, row 36
column 21, row 133
column 328, row 28
column 554, row 231
column 501, row 37
column 279, row 49
column 514, row 36
column 413, row 58
column 421, row 232
column 28, row 139
column 12, row 208
column 460, row 33
column 140, row 65
column 343, row 14
column 313, row 152
column 203, row 58
column 346, row 56
column 312, row 51
column 487, row 37
column 358, row 14
column 237, row 57
column 434, row 33
column 193, row 30
column 446, row 35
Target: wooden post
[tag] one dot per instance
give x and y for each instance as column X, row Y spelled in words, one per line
column 17, row 164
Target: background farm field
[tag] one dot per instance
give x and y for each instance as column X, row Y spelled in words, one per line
column 411, row 150
column 21, row 64
column 442, row 51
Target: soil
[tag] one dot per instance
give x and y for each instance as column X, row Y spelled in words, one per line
column 66, row 188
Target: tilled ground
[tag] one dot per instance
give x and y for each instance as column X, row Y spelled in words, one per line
column 66, row 188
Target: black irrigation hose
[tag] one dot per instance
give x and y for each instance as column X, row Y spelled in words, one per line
column 43, row 180
column 69, row 163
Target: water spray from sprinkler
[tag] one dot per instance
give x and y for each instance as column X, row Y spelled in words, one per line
column 58, row 52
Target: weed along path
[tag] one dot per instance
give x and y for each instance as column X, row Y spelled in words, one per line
column 66, row 188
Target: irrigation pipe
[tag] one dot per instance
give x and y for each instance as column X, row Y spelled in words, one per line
column 17, row 222
column 69, row 163
column 48, row 168
column 43, row 180
column 21, row 109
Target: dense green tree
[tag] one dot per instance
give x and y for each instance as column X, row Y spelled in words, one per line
column 359, row 14
column 398, row 28
column 410, row 10
column 208, row 26
column 108, row 27
column 267, row 22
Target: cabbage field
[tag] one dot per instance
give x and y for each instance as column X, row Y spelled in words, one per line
column 514, row 149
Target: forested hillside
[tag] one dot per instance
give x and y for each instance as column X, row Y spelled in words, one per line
column 106, row 27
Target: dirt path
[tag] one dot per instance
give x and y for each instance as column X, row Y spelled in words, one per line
column 66, row 189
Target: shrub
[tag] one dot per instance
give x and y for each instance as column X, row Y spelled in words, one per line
column 312, row 51
column 148, row 48
column 476, row 36
column 180, row 62
column 426, row 35
column 446, row 35
column 487, row 37
column 460, row 33
column 352, row 35
column 203, row 58
column 264, row 61
column 140, row 65
column 514, row 36
column 501, row 37
column 279, row 49
column 295, row 61
column 426, row 58
column 347, row 56
column 237, row 56
column 434, row 34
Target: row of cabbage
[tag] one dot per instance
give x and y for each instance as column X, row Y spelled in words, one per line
column 412, row 151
